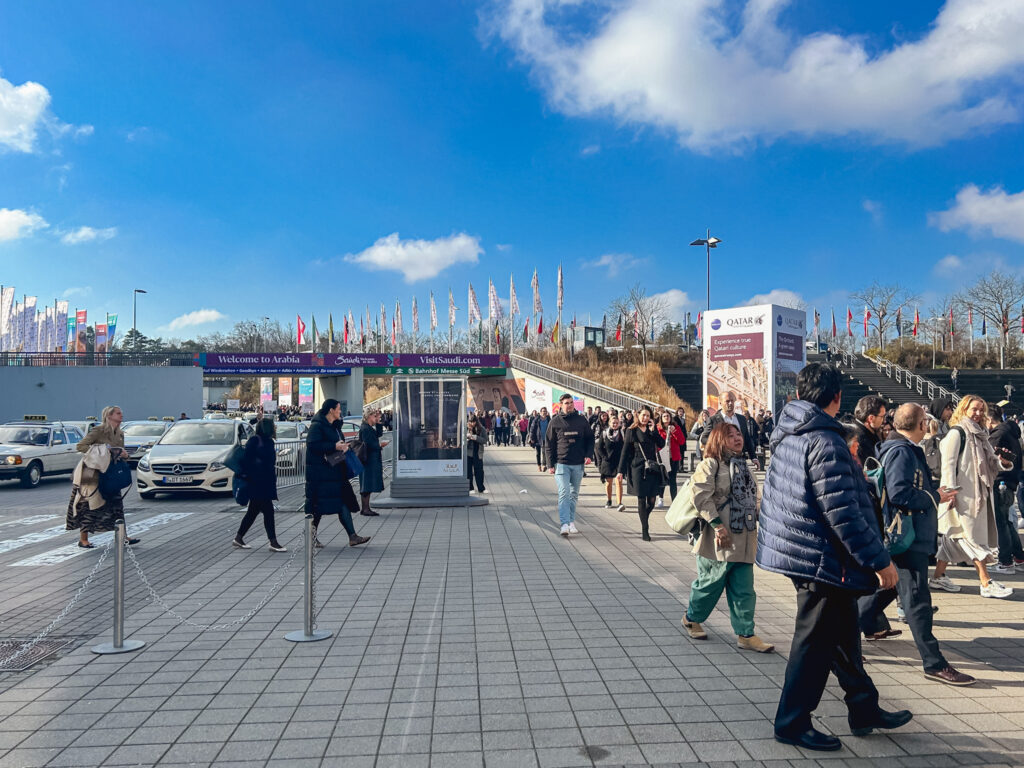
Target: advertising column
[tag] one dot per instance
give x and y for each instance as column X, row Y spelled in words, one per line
column 306, row 394
column 736, row 357
column 790, row 345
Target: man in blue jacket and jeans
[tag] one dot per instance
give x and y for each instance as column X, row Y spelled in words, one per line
column 818, row 527
column 909, row 491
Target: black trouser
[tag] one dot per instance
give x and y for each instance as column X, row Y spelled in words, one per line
column 825, row 637
column 871, row 610
column 540, row 461
column 475, row 469
column 644, row 506
column 673, row 473
column 522, row 434
column 1009, row 539
column 257, row 507
column 916, row 599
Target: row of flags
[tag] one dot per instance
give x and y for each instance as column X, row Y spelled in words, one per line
column 27, row 327
column 915, row 327
column 349, row 337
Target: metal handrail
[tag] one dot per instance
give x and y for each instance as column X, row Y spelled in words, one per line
column 110, row 359
column 579, row 385
column 913, row 381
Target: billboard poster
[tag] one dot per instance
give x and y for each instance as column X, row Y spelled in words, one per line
column 284, row 391
column 306, row 394
column 69, row 338
column 430, row 423
column 754, row 352
column 489, row 393
column 81, row 324
column 266, row 389
column 538, row 395
column 100, row 347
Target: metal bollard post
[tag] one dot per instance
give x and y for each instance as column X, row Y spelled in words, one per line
column 308, row 634
column 120, row 645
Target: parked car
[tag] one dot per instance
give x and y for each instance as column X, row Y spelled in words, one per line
column 140, row 436
column 31, row 450
column 189, row 456
column 291, row 445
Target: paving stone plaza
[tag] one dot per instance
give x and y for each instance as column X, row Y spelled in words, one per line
column 461, row 637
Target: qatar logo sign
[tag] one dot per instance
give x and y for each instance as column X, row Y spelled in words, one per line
column 751, row 321
column 716, row 324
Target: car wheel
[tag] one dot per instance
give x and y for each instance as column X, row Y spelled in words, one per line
column 147, row 496
column 32, row 476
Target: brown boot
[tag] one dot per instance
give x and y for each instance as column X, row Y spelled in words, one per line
column 355, row 541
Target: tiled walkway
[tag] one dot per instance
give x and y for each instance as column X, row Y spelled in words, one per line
column 467, row 637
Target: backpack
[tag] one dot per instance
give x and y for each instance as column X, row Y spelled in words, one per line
column 898, row 533
column 682, row 515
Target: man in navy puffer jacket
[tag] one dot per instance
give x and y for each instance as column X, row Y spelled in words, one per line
column 817, row 526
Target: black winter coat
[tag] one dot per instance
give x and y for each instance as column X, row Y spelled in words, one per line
column 327, row 487
column 817, row 521
column 1007, row 435
column 632, row 463
column 608, row 452
column 259, row 467
column 909, row 488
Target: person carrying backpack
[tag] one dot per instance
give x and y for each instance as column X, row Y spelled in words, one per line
column 725, row 495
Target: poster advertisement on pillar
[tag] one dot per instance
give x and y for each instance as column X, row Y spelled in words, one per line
column 284, row 391
column 266, row 390
column 754, row 352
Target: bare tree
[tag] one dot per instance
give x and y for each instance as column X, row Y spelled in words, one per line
column 639, row 314
column 997, row 298
column 883, row 302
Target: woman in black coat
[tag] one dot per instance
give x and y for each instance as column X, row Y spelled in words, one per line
column 608, row 452
column 639, row 449
column 328, row 491
column 372, row 478
column 259, row 470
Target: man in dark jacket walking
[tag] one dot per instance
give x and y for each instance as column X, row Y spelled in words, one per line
column 1005, row 438
column 728, row 415
column 870, row 415
column 909, row 491
column 569, row 445
column 817, row 527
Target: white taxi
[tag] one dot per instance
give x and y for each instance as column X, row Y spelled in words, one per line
column 189, row 456
column 34, row 448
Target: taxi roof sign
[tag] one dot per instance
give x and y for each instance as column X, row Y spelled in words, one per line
column 34, row 417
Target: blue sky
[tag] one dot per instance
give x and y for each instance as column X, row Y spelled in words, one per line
column 254, row 159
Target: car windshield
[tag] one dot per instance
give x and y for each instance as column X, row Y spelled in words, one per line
column 199, row 433
column 25, row 435
column 143, row 430
column 287, row 431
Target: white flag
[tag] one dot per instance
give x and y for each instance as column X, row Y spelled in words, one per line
column 474, row 307
column 451, row 309
column 61, row 325
column 415, row 316
column 494, row 303
column 30, row 335
column 6, row 318
column 433, row 313
column 537, row 308
column 513, row 302
column 398, row 317
column 561, row 288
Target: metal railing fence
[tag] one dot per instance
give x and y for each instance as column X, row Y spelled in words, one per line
column 110, row 359
column 912, row 381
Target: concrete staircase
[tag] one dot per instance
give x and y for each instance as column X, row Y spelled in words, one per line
column 688, row 384
column 864, row 379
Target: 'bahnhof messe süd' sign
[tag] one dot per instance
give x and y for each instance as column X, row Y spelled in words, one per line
column 342, row 363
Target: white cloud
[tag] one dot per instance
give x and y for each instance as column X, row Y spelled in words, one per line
column 88, row 234
column 503, row 247
column 993, row 213
column 780, row 296
column 615, row 263
column 590, row 149
column 199, row 317
column 419, row 259
column 677, row 303
column 948, row 266
column 82, row 290
column 23, row 109
column 714, row 77
column 874, row 208
column 15, row 223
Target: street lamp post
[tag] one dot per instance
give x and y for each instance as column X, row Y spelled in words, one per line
column 135, row 312
column 708, row 242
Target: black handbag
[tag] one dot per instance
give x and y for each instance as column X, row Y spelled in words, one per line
column 653, row 466
column 117, row 477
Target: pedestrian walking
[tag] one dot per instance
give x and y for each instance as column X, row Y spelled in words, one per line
column 639, row 465
column 569, row 444
column 89, row 511
column 538, row 436
column 328, row 487
column 1005, row 439
column 967, row 522
column 674, row 439
column 909, row 491
column 524, row 426
column 817, row 527
column 372, row 478
column 259, row 470
column 475, row 442
column 608, row 451
column 725, row 495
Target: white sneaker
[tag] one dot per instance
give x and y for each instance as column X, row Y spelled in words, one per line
column 660, row 504
column 1000, row 568
column 572, row 528
column 944, row 583
column 1018, row 566
column 995, row 589
column 622, row 508
column 565, row 530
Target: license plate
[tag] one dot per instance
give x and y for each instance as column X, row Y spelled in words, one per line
column 177, row 480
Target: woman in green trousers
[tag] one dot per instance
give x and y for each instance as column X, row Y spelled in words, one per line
column 725, row 495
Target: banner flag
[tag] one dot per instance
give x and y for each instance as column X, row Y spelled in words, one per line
column 81, row 323
column 561, row 287
column 899, row 321
column 554, row 334
column 100, row 345
column 433, row 313
column 526, row 331
column 451, row 309
column 618, row 329
column 849, row 321
column 415, row 316
column 537, row 308
column 513, row 302
column 6, row 318
column 31, row 334
column 474, row 307
column 917, row 322
column 300, row 331
column 867, row 316
column 111, row 325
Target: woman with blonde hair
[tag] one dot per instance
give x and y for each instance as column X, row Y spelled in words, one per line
column 88, row 510
column 967, row 523
column 725, row 495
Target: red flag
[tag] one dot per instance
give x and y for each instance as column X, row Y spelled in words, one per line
column 346, row 330
column 951, row 328
column 618, row 329
column 917, row 321
column 867, row 316
column 392, row 330
column 700, row 326
column 362, row 336
column 526, row 331
column 849, row 320
column 301, row 330
column 540, row 325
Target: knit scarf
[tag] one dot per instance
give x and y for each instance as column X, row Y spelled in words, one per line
column 983, row 459
column 742, row 497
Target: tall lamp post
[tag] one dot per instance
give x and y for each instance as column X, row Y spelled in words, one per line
column 135, row 312
column 708, row 242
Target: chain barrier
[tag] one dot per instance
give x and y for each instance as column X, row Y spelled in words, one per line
column 278, row 583
column 312, row 578
column 67, row 608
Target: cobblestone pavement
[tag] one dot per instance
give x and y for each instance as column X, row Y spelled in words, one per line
column 462, row 637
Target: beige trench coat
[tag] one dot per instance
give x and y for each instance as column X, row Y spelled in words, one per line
column 711, row 488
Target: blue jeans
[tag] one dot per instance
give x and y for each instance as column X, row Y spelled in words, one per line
column 568, row 477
